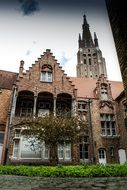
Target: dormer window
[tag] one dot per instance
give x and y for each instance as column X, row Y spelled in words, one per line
column 104, row 92
column 46, row 73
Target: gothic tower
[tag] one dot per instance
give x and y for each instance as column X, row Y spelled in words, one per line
column 90, row 63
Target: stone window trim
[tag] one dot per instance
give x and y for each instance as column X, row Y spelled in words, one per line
column 108, row 103
column 108, row 125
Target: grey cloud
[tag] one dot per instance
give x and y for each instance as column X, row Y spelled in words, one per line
column 28, row 52
column 29, row 7
column 64, row 60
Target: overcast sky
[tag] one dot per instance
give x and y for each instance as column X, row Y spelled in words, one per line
column 29, row 27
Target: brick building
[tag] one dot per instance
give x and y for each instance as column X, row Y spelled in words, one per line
column 118, row 16
column 45, row 88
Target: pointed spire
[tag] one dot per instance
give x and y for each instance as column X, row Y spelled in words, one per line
column 96, row 40
column 86, row 35
column 84, row 21
column 79, row 37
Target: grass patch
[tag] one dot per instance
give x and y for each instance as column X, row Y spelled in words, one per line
column 112, row 170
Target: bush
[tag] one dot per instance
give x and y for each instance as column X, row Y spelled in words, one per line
column 113, row 170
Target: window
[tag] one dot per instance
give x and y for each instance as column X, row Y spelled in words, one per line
column 64, row 151
column 29, row 148
column 84, row 61
column 46, row 73
column 82, row 110
column 108, row 125
column 104, row 93
column 89, row 61
column 81, row 105
column 84, row 149
column 1, row 137
column 101, row 153
column 26, row 109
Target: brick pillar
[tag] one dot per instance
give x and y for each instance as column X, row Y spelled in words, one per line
column 54, row 105
column 35, row 105
column 73, row 107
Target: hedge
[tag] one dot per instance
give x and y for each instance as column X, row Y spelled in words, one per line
column 112, row 170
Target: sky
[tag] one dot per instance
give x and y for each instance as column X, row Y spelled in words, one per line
column 29, row 27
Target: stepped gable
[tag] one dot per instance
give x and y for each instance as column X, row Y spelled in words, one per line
column 7, row 79
column 86, row 87
column 31, row 77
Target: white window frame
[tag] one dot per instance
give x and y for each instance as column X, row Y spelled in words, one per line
column 46, row 76
column 19, row 140
column 64, row 150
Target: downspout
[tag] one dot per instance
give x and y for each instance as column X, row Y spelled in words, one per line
column 91, row 131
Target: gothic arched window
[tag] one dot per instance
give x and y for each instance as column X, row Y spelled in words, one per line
column 104, row 92
column 46, row 73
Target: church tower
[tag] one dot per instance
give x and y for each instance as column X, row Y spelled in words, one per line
column 90, row 63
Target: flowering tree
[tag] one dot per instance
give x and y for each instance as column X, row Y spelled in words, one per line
column 53, row 130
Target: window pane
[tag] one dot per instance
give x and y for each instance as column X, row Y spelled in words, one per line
column 16, row 149
column 67, row 151
column 108, row 128
column 46, row 153
column 30, row 148
column 46, row 76
column 1, row 137
column 60, row 152
column 101, row 153
column 113, row 129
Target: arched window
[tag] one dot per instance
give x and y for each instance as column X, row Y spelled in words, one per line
column 104, row 92
column 46, row 73
column 102, row 156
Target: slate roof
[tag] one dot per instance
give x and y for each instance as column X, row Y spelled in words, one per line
column 7, row 79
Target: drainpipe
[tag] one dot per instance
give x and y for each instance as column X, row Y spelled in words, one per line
column 91, row 131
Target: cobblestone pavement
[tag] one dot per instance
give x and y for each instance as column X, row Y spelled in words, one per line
column 39, row 183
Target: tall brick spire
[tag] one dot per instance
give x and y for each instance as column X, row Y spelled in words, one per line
column 90, row 63
column 86, row 35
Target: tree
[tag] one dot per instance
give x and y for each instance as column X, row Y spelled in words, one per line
column 53, row 130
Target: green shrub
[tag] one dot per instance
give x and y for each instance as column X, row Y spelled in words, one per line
column 113, row 170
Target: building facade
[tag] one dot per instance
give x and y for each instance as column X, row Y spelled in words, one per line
column 44, row 88
column 118, row 16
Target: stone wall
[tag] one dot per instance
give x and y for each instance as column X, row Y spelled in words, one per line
column 39, row 183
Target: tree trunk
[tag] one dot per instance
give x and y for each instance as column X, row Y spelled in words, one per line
column 53, row 154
